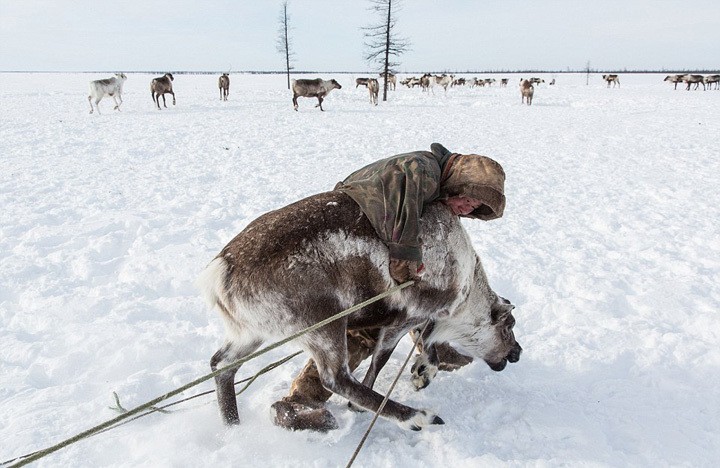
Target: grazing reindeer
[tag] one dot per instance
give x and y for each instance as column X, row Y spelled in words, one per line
column 612, row 79
column 298, row 265
column 224, row 85
column 697, row 80
column 526, row 91
column 361, row 82
column 674, row 79
column 503, row 82
column 373, row 88
column 161, row 86
column 110, row 87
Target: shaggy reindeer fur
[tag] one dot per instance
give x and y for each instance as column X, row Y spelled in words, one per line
column 298, row 265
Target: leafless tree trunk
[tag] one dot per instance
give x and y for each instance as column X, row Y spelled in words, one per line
column 587, row 71
column 283, row 40
column 383, row 43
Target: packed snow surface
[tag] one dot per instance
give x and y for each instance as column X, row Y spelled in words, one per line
column 609, row 248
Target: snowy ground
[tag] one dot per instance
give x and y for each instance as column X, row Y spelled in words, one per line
column 609, row 247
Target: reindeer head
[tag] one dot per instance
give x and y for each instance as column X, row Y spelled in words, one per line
column 505, row 348
column 482, row 324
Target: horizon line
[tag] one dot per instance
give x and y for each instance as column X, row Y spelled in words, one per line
column 305, row 72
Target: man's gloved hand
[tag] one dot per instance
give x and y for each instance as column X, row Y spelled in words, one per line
column 405, row 270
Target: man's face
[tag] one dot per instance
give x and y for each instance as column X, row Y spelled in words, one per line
column 462, row 205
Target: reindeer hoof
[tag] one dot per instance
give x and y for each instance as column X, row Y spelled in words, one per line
column 299, row 417
column 421, row 419
column 353, row 407
column 422, row 373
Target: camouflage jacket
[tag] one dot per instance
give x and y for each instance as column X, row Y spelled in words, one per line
column 393, row 192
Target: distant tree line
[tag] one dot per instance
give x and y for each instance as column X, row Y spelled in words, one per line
column 705, row 71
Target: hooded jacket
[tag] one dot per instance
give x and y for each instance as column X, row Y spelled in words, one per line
column 393, row 192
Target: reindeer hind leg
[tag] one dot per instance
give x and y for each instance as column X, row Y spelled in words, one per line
column 225, row 381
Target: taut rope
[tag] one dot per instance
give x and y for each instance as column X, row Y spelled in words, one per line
column 85, row 434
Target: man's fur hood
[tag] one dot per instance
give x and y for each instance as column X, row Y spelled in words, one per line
column 474, row 176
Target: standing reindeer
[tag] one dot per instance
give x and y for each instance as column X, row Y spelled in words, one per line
column 224, row 85
column 161, row 86
column 674, row 79
column 710, row 79
column 373, row 87
column 697, row 80
column 526, row 91
column 612, row 79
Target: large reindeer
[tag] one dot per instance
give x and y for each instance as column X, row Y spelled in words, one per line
column 298, row 265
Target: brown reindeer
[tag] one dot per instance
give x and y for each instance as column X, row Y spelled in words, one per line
column 697, row 80
column 298, row 265
column 526, row 91
column 710, row 79
column 224, row 85
column 373, row 88
column 161, row 86
column 313, row 88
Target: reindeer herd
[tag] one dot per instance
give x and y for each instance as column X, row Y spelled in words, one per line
column 320, row 88
column 697, row 80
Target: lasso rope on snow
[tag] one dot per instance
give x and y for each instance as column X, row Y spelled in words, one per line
column 148, row 405
column 163, row 409
column 387, row 397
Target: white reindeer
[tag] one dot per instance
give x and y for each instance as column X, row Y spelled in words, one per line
column 110, row 86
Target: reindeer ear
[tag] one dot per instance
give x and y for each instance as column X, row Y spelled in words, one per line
column 500, row 311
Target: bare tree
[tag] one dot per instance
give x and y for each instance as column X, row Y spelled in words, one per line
column 283, row 40
column 382, row 42
column 587, row 73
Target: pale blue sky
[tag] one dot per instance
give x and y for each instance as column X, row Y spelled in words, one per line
column 452, row 35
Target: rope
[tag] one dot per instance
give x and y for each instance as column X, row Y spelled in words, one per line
column 387, row 397
column 85, row 434
column 249, row 380
column 162, row 409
